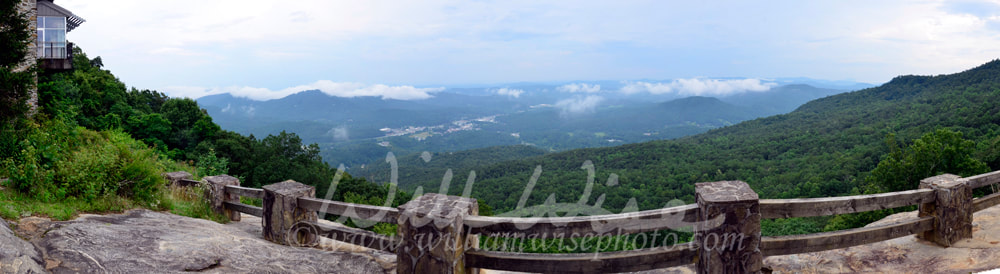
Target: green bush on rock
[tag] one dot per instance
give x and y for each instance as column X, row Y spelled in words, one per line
column 60, row 161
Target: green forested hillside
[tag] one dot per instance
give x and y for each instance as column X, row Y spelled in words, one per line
column 825, row 148
column 96, row 145
column 427, row 169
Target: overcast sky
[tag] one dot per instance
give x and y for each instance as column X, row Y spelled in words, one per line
column 370, row 47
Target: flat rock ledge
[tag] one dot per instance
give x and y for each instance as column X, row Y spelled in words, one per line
column 906, row 254
column 16, row 254
column 143, row 241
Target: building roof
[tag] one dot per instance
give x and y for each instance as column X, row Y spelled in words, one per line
column 48, row 8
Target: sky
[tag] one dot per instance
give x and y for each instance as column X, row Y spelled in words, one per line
column 410, row 49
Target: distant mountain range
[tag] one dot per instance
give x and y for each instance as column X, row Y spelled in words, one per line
column 824, row 148
column 360, row 130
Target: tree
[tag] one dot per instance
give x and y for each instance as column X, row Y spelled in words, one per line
column 935, row 153
column 941, row 151
column 15, row 42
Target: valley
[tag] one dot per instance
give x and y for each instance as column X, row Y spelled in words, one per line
column 361, row 130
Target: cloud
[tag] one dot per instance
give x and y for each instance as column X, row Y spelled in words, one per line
column 512, row 92
column 247, row 111
column 584, row 88
column 438, row 41
column 578, row 105
column 339, row 134
column 699, row 87
column 338, row 89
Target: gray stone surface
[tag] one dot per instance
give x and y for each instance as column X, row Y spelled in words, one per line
column 17, row 255
column 142, row 241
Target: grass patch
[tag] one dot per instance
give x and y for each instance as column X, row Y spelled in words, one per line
column 14, row 205
column 190, row 202
column 252, row 201
column 184, row 202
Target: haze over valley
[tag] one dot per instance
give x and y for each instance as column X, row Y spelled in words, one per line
column 359, row 130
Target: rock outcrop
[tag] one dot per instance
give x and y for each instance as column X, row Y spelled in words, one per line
column 906, row 254
column 142, row 241
column 17, row 255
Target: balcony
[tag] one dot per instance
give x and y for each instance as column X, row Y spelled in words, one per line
column 55, row 56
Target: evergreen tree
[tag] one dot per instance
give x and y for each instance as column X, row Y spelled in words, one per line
column 15, row 39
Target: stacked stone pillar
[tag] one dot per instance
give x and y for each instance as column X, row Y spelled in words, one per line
column 215, row 191
column 952, row 210
column 29, row 8
column 433, row 237
column 283, row 219
column 175, row 178
column 734, row 245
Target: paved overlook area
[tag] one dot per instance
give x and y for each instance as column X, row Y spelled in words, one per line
column 142, row 241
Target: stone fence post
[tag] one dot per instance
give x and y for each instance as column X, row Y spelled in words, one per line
column 733, row 246
column 433, row 237
column 952, row 210
column 215, row 191
column 282, row 213
column 175, row 177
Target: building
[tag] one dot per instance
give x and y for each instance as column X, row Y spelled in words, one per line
column 53, row 52
column 52, row 24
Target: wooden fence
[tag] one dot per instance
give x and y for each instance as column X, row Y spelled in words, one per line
column 439, row 233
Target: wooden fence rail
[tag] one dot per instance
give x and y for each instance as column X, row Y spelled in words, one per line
column 984, row 179
column 730, row 208
column 245, row 192
column 810, row 207
column 795, row 244
column 358, row 211
column 359, row 237
column 553, row 227
column 986, row 201
column 245, row 208
column 605, row 262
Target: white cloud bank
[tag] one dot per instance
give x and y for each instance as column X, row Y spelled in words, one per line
column 512, row 92
column 341, row 133
column 699, row 87
column 583, row 88
column 338, row 89
column 244, row 110
column 579, row 105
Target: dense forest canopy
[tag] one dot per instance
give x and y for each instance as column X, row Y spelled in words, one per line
column 827, row 147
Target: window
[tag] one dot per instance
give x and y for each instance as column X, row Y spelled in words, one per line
column 51, row 37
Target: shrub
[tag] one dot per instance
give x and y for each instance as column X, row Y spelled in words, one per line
column 211, row 165
column 61, row 161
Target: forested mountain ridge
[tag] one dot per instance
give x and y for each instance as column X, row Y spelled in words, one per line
column 360, row 130
column 426, row 169
column 824, row 148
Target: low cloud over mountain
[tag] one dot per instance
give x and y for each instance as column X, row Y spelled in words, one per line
column 579, row 105
column 699, row 87
column 583, row 88
column 338, row 89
